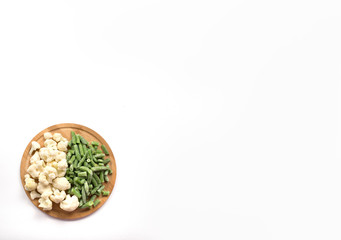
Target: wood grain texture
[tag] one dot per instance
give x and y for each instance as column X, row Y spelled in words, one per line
column 65, row 129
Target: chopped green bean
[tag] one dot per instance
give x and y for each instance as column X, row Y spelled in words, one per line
column 87, row 204
column 105, row 193
column 105, row 150
column 86, row 169
column 93, row 198
column 105, row 161
column 94, row 143
column 99, row 155
column 94, row 182
column 83, row 140
column 80, row 203
column 75, row 192
column 83, row 194
column 96, row 202
column 92, row 149
column 101, row 176
column 80, row 147
column 86, row 187
column 77, row 139
column 93, row 191
column 106, row 178
column 96, row 177
column 82, row 174
column 75, row 148
column 73, row 137
column 82, row 160
column 100, row 168
column 100, row 189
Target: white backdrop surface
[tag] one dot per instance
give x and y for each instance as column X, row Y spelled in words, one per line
column 223, row 115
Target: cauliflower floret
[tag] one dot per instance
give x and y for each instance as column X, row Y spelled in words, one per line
column 34, row 195
column 62, row 164
column 35, row 169
column 53, row 164
column 47, row 135
column 35, row 157
column 30, row 184
column 70, row 203
column 57, row 137
column 58, row 196
column 45, row 203
column 60, row 155
column 34, row 146
column 43, row 179
column 61, row 173
column 51, row 173
column 63, row 139
column 61, row 183
column 62, row 145
column 48, row 154
column 44, row 189
column 49, row 143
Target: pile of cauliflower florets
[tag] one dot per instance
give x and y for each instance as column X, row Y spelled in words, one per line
column 47, row 169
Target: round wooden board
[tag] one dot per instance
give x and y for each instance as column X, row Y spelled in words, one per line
column 90, row 135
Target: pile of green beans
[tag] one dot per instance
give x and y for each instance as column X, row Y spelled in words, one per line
column 87, row 170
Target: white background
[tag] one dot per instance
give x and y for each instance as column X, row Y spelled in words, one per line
column 223, row 115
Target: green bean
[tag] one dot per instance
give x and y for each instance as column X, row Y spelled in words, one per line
column 86, row 169
column 105, row 150
column 85, row 164
column 75, row 148
column 106, row 178
column 83, row 194
column 93, row 191
column 100, row 189
column 96, row 177
column 82, row 160
column 83, row 140
column 71, row 159
column 98, row 151
column 94, row 182
column 99, row 155
column 71, row 167
column 73, row 137
column 105, row 193
column 80, row 203
column 80, row 147
column 85, row 149
column 96, row 202
column 94, row 143
column 101, row 176
column 77, row 139
column 106, row 172
column 86, row 187
column 87, row 204
column 100, row 168
column 82, row 174
column 110, row 171
column 100, row 164
column 68, row 156
column 69, row 143
column 92, row 149
column 93, row 198
column 105, row 161
column 71, row 151
column 89, row 178
column 75, row 192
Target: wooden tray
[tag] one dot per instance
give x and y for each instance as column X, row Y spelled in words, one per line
column 65, row 129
